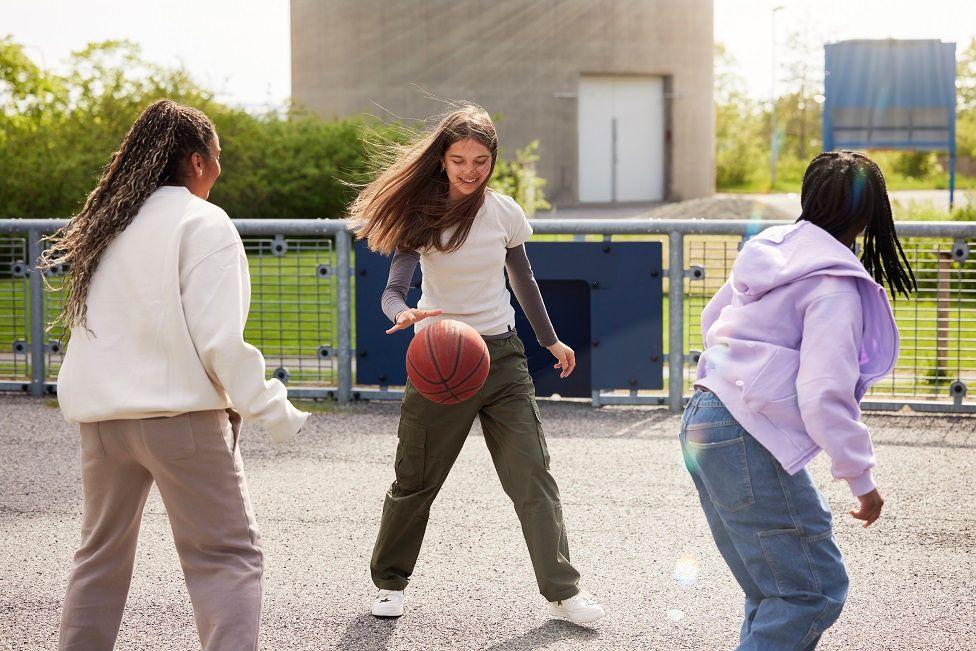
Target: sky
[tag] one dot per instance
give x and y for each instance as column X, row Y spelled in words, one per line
column 745, row 27
column 241, row 48
column 238, row 48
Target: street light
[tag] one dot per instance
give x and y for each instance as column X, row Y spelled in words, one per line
column 773, row 144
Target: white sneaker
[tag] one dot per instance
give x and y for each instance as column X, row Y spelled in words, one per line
column 389, row 603
column 580, row 609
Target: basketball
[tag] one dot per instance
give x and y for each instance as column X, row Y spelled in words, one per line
column 447, row 362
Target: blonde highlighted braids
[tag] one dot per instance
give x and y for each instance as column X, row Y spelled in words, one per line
column 151, row 154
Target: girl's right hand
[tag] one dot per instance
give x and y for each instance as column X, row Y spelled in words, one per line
column 870, row 510
column 408, row 317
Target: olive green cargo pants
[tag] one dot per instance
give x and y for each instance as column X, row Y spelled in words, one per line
column 431, row 437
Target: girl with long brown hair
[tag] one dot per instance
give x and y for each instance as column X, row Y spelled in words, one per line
column 431, row 205
column 157, row 373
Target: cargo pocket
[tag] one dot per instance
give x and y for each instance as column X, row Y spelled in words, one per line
column 787, row 558
column 168, row 438
column 539, row 432
column 411, row 454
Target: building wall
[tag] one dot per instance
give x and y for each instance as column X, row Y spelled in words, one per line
column 520, row 59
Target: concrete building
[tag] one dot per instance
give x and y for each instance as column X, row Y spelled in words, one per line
column 618, row 92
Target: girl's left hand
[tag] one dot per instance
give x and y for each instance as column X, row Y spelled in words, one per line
column 566, row 357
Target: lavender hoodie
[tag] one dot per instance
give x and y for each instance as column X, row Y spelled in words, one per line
column 793, row 340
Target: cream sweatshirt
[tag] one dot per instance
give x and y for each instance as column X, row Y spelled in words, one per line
column 165, row 332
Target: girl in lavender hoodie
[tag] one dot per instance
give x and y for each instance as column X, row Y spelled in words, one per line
column 793, row 340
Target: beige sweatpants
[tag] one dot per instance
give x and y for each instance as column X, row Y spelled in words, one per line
column 194, row 460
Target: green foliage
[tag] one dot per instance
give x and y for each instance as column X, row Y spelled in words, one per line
column 57, row 133
column 743, row 129
column 966, row 134
column 966, row 77
column 917, row 163
column 925, row 212
column 517, row 178
column 966, row 101
column 966, row 213
column 739, row 146
column 277, row 168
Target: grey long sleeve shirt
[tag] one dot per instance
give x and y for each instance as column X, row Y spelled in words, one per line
column 520, row 277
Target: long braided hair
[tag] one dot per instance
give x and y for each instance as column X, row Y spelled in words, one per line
column 151, row 154
column 844, row 193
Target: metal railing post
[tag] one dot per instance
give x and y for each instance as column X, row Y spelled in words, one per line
column 36, row 280
column 676, row 322
column 344, row 303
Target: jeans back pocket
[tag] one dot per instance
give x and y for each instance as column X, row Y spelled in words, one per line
column 717, row 454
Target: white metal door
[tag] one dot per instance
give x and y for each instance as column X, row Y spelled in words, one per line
column 621, row 139
column 596, row 139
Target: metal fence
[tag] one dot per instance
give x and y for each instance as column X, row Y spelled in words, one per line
column 302, row 306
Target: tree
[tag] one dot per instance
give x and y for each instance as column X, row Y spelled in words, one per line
column 966, row 101
column 57, row 132
column 966, row 78
column 739, row 145
column 798, row 111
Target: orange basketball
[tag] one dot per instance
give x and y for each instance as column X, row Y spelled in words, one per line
column 447, row 362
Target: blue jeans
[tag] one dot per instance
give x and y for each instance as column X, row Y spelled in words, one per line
column 773, row 530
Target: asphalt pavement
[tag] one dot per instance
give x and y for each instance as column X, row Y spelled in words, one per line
column 636, row 533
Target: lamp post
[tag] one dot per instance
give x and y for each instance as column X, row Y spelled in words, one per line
column 773, row 140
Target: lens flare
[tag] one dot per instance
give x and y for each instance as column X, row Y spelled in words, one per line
column 691, row 463
column 860, row 181
column 755, row 215
column 716, row 356
column 686, row 571
column 675, row 615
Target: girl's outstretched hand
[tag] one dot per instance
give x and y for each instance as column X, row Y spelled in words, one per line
column 407, row 318
column 870, row 510
column 566, row 357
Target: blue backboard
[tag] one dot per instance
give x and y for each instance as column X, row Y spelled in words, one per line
column 891, row 94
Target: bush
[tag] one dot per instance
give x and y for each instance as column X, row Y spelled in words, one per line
column 916, row 211
column 739, row 150
column 517, row 178
column 57, row 132
column 297, row 168
column 917, row 164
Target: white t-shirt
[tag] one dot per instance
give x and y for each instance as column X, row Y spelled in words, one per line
column 469, row 283
column 166, row 310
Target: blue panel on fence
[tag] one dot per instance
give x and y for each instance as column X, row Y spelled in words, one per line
column 604, row 299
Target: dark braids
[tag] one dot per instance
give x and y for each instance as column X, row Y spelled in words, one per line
column 151, row 154
column 844, row 193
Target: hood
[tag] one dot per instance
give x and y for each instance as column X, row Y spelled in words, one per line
column 782, row 255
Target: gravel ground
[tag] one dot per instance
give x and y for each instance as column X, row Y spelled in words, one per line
column 720, row 206
column 631, row 514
